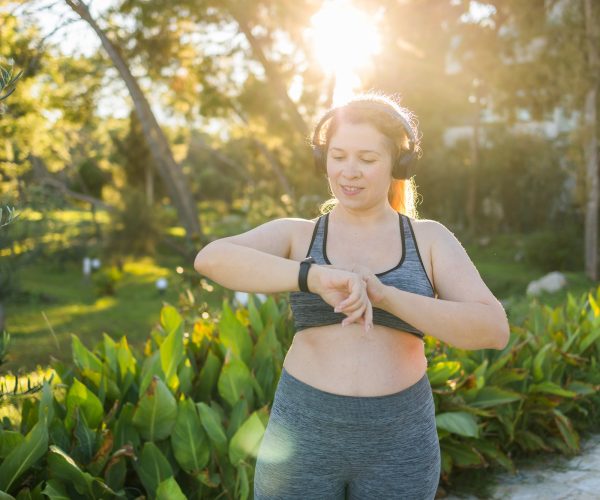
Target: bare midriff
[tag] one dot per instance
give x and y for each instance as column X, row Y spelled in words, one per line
column 345, row 360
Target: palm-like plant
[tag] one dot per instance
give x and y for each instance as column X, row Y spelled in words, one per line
column 8, row 81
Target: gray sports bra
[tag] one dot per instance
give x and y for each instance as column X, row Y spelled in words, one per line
column 309, row 309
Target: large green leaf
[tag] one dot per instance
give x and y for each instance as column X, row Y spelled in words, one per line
column 589, row 339
column 213, row 427
column 566, row 429
column 169, row 490
column 55, row 490
column 24, row 455
column 156, row 411
column 234, row 335
column 209, row 374
column 246, row 440
column 463, row 454
column 458, row 422
column 171, row 354
column 494, row 396
column 79, row 396
column 124, row 430
column 85, row 439
column 235, row 382
column 46, row 407
column 62, row 466
column 127, row 365
column 242, row 484
column 188, row 439
column 151, row 368
column 9, row 440
column 152, row 468
column 83, row 358
column 538, row 363
column 170, row 319
column 110, row 352
column 551, row 388
column 255, row 320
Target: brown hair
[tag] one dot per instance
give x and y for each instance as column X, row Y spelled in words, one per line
column 402, row 194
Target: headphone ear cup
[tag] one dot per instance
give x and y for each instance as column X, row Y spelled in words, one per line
column 404, row 165
column 319, row 158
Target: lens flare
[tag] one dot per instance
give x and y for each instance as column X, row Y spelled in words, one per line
column 344, row 40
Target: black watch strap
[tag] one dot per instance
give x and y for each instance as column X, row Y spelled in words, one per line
column 303, row 274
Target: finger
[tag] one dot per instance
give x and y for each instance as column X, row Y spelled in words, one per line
column 369, row 317
column 356, row 291
column 354, row 316
column 349, row 307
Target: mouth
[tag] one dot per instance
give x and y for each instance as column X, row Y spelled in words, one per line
column 350, row 190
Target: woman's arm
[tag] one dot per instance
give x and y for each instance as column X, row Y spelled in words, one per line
column 466, row 313
column 257, row 262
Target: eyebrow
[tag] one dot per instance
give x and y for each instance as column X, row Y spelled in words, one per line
column 360, row 151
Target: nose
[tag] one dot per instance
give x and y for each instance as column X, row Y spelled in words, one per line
column 351, row 169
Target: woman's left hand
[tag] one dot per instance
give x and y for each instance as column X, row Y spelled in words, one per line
column 375, row 288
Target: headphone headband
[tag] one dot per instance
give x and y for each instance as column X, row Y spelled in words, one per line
column 400, row 165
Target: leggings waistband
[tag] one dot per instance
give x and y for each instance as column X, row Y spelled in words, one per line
column 296, row 395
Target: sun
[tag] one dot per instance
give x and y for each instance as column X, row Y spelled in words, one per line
column 344, row 40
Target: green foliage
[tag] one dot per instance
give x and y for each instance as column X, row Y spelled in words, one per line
column 136, row 227
column 106, row 280
column 186, row 419
column 8, row 81
column 536, row 395
column 10, row 217
column 556, row 249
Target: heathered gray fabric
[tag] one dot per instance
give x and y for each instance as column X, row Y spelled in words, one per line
column 326, row 446
column 309, row 309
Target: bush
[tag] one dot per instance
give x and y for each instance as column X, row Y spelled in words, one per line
column 105, row 280
column 185, row 420
column 555, row 249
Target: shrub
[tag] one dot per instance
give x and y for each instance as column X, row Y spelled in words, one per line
column 185, row 420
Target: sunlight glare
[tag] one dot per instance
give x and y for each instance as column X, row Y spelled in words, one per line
column 344, row 40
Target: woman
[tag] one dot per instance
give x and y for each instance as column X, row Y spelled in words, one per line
column 353, row 414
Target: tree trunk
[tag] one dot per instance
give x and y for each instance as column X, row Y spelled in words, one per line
column 273, row 76
column 169, row 171
column 591, row 149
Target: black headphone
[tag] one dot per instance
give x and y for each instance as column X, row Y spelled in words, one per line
column 403, row 164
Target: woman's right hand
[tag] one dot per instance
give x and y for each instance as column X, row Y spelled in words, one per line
column 336, row 285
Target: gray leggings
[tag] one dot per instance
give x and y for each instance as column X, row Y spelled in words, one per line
column 321, row 445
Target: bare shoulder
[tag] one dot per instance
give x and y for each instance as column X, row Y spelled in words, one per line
column 454, row 273
column 302, row 231
column 426, row 228
column 431, row 231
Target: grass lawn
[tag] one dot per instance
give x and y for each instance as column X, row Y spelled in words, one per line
column 72, row 307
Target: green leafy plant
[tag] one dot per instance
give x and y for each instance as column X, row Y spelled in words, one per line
column 186, row 418
column 8, row 81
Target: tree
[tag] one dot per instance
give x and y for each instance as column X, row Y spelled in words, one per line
column 168, row 169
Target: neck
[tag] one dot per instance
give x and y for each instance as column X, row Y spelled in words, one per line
column 363, row 217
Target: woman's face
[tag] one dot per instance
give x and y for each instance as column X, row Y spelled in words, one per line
column 358, row 156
